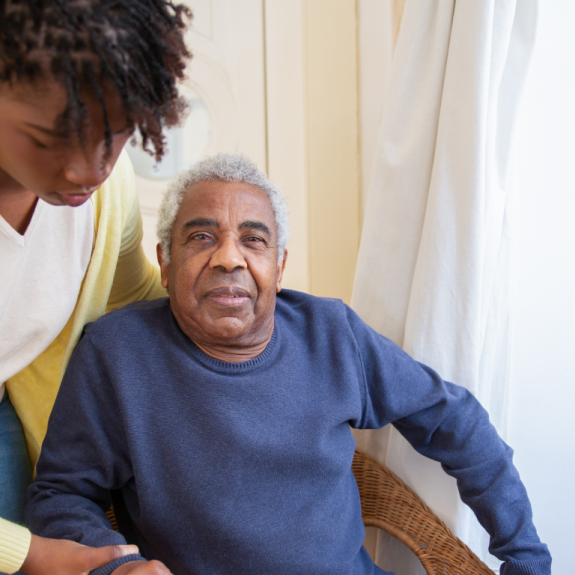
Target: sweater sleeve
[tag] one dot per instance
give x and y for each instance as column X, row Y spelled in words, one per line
column 111, row 567
column 14, row 546
column 84, row 456
column 446, row 423
column 136, row 278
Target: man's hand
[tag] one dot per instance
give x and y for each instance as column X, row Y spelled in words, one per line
column 142, row 568
column 51, row 556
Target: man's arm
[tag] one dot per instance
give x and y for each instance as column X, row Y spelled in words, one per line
column 446, row 423
column 83, row 456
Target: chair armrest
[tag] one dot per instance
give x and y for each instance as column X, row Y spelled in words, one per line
column 389, row 504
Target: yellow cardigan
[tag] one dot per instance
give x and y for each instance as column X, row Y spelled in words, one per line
column 118, row 274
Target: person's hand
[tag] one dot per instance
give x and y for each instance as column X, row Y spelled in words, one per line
column 51, row 556
column 142, row 568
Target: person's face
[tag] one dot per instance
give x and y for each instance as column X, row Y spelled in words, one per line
column 54, row 166
column 224, row 274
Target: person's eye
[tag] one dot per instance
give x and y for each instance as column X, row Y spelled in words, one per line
column 39, row 144
column 200, row 237
column 255, row 240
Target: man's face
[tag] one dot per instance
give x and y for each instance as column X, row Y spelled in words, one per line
column 52, row 165
column 223, row 274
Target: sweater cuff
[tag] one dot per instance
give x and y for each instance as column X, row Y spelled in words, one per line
column 541, row 566
column 14, row 546
column 109, row 567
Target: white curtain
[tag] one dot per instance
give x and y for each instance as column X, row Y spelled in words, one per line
column 434, row 263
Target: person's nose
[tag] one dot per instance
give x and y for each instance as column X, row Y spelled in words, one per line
column 228, row 256
column 88, row 168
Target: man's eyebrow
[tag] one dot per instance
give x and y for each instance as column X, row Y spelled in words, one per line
column 251, row 225
column 200, row 223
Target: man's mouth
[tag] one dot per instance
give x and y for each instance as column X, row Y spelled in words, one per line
column 229, row 296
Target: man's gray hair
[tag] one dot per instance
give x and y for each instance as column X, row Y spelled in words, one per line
column 226, row 168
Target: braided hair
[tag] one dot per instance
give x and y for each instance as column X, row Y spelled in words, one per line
column 137, row 45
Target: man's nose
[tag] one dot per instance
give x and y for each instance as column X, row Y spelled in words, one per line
column 228, row 256
column 88, row 168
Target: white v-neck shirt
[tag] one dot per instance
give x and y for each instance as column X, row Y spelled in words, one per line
column 41, row 276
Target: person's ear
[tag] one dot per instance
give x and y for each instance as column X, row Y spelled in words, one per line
column 163, row 266
column 281, row 268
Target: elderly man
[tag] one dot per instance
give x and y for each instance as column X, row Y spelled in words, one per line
column 222, row 415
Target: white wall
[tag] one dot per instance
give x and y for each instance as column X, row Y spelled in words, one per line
column 542, row 419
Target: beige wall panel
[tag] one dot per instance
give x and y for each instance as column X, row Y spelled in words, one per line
column 330, row 41
column 286, row 135
column 227, row 72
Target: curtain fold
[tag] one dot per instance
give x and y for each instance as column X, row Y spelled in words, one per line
column 433, row 270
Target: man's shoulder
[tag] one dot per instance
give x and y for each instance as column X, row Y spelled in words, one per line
column 288, row 299
column 330, row 318
column 312, row 312
column 139, row 317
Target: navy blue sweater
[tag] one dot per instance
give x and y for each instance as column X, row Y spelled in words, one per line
column 245, row 468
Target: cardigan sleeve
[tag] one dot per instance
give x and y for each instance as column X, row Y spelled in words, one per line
column 14, row 546
column 135, row 278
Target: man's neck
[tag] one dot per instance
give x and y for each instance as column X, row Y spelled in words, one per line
column 235, row 354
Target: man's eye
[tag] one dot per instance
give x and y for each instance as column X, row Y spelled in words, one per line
column 253, row 239
column 200, row 237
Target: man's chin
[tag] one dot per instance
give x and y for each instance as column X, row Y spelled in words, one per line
column 219, row 325
column 228, row 329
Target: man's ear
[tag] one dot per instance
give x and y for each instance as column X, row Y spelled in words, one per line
column 281, row 268
column 163, row 266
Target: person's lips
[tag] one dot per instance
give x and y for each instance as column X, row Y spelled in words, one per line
column 229, row 296
column 73, row 200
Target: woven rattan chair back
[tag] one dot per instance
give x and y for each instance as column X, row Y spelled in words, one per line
column 387, row 503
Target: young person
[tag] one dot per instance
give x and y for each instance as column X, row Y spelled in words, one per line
column 77, row 77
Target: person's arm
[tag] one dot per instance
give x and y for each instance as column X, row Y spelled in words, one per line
column 446, row 423
column 22, row 551
column 14, row 545
column 49, row 556
column 137, row 568
column 83, row 457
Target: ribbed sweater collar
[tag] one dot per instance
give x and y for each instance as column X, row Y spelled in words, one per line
column 225, row 367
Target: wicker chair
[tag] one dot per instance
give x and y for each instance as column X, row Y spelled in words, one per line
column 387, row 503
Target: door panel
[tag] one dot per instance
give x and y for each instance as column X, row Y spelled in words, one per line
column 227, row 74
